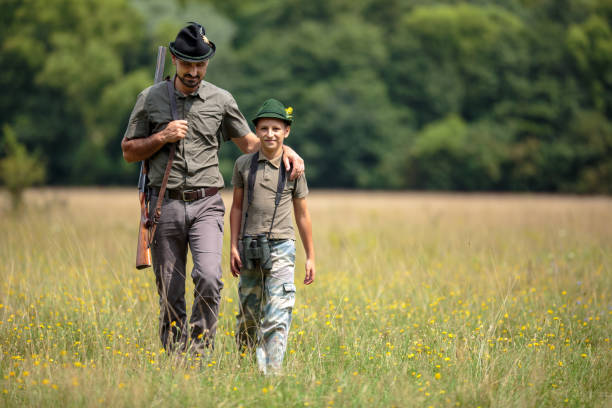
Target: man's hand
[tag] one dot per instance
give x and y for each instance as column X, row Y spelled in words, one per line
column 175, row 131
column 294, row 162
column 145, row 147
column 309, row 277
column 235, row 262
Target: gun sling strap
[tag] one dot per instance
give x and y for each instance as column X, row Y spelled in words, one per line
column 282, row 176
column 162, row 189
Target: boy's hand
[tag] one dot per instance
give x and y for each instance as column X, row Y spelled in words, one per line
column 235, row 262
column 310, row 272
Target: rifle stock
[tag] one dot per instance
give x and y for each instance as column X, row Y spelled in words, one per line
column 143, row 250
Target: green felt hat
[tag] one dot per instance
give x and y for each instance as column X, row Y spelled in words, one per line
column 273, row 108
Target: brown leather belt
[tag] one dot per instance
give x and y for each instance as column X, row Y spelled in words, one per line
column 189, row 194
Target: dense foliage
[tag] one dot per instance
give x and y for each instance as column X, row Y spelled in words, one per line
column 452, row 95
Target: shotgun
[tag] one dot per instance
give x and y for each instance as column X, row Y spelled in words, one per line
column 143, row 251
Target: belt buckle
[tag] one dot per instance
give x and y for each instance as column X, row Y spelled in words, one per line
column 187, row 192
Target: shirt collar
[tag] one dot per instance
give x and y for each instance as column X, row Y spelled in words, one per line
column 275, row 162
column 201, row 92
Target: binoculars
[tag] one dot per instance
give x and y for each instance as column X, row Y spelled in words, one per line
column 256, row 249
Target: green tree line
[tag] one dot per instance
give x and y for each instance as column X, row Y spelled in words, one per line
column 512, row 95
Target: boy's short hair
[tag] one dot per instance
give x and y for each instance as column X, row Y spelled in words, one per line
column 274, row 109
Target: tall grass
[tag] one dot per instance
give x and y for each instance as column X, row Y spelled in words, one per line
column 419, row 300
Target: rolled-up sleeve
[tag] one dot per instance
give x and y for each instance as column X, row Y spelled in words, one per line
column 138, row 125
column 234, row 124
column 301, row 187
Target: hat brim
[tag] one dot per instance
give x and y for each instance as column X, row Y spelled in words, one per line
column 270, row 115
column 191, row 58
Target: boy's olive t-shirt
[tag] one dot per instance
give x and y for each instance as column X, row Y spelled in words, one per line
column 213, row 117
column 264, row 194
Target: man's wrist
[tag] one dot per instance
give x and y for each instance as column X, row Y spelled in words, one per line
column 163, row 138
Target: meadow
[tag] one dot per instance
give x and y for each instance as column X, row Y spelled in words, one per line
column 420, row 300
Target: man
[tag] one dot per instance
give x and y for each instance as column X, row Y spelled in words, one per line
column 192, row 210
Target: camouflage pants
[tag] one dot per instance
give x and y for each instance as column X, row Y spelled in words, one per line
column 266, row 303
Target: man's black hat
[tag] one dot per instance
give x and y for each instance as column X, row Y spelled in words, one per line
column 192, row 45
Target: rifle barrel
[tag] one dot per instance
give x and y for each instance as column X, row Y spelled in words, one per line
column 159, row 76
column 161, row 59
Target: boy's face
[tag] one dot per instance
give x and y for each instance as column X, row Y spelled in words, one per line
column 271, row 133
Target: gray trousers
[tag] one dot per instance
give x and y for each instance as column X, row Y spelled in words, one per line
column 197, row 225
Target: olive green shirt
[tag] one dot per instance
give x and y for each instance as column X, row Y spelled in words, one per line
column 264, row 194
column 212, row 116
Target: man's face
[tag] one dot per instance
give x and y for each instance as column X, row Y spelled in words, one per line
column 190, row 73
column 271, row 133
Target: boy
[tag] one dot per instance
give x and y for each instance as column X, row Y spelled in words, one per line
column 263, row 241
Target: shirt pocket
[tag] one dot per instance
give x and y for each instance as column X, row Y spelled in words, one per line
column 205, row 122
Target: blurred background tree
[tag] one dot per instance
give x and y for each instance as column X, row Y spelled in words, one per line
column 19, row 170
column 514, row 95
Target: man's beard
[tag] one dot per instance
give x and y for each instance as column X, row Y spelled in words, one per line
column 189, row 81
